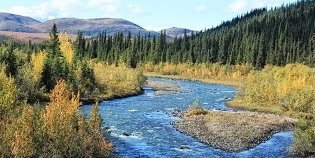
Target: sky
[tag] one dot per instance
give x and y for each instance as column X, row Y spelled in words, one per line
column 149, row 14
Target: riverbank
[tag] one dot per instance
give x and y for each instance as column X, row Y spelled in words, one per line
column 204, row 80
column 100, row 99
column 231, row 131
column 164, row 88
column 97, row 99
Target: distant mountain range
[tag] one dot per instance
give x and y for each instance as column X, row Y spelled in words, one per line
column 175, row 31
column 89, row 27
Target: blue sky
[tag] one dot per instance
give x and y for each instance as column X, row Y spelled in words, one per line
column 150, row 14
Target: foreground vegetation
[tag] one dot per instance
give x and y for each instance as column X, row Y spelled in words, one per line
column 54, row 73
column 57, row 130
column 232, row 131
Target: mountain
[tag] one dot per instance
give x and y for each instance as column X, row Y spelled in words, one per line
column 89, row 27
column 17, row 23
column 179, row 32
column 92, row 27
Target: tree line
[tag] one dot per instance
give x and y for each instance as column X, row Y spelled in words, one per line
column 277, row 37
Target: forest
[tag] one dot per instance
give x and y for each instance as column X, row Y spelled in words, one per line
column 268, row 54
column 278, row 36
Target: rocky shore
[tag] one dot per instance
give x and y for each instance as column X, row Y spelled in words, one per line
column 163, row 88
column 231, row 131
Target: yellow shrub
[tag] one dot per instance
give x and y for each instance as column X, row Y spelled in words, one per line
column 23, row 144
column 118, row 81
column 8, row 92
column 289, row 88
column 234, row 73
column 38, row 61
column 60, row 118
column 68, row 132
column 66, row 47
column 8, row 106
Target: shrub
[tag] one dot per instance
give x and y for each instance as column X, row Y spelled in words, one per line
column 8, row 92
column 304, row 142
column 289, row 88
column 66, row 47
column 118, row 81
column 23, row 143
column 37, row 62
column 8, row 104
column 195, row 110
column 68, row 133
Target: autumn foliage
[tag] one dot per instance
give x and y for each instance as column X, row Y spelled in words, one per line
column 58, row 130
column 68, row 130
column 286, row 90
column 38, row 61
column 118, row 81
column 66, row 47
column 215, row 73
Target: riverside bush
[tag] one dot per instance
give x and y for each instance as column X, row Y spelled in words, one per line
column 118, row 81
column 287, row 90
column 57, row 130
column 196, row 110
column 218, row 72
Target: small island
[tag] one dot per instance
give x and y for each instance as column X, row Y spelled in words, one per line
column 163, row 88
column 229, row 130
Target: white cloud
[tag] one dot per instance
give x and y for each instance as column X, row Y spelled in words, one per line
column 201, row 8
column 65, row 8
column 134, row 9
column 237, row 6
column 109, row 6
column 240, row 6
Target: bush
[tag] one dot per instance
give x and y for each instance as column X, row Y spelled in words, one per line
column 58, row 130
column 8, row 92
column 8, row 104
column 195, row 110
column 289, row 88
column 118, row 81
column 68, row 133
column 228, row 73
column 304, row 142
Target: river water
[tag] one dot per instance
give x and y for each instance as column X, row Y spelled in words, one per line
column 140, row 126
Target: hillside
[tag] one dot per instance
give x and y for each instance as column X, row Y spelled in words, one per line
column 277, row 36
column 17, row 23
column 92, row 27
column 179, row 32
column 89, row 27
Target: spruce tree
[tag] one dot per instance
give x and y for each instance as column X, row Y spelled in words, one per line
column 53, row 45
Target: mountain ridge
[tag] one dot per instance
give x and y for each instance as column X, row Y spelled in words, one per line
column 178, row 32
column 89, row 27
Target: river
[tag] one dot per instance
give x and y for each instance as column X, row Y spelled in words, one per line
column 140, row 126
